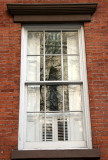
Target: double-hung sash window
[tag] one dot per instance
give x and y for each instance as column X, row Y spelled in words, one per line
column 54, row 110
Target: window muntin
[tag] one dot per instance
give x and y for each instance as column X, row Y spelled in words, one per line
column 57, row 108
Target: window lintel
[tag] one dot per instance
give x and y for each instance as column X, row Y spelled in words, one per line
column 52, row 13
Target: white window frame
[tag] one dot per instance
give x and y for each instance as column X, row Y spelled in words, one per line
column 23, row 100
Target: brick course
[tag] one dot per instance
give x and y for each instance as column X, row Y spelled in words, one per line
column 96, row 40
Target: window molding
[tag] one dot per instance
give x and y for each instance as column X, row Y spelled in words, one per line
column 52, row 13
column 25, row 29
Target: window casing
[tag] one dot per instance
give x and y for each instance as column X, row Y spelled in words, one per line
column 54, row 108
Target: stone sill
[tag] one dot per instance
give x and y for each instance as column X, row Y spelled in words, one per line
column 75, row 154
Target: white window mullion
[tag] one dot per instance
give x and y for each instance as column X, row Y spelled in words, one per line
column 45, row 114
column 63, row 114
column 45, row 89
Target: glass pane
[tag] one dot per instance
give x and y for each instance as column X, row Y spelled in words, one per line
column 55, row 127
column 35, row 122
column 62, row 124
column 75, row 127
column 53, row 68
column 72, row 98
column 70, row 42
column 35, row 68
column 35, row 98
column 53, row 43
column 49, row 130
column 35, row 43
column 54, row 98
column 71, row 68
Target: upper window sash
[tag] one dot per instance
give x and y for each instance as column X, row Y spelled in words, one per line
column 35, row 54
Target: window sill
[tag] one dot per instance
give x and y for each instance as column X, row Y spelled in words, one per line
column 56, row 154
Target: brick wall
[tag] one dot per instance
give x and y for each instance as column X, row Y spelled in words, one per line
column 96, row 35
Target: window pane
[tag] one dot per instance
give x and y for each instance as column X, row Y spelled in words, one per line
column 54, row 98
column 62, row 129
column 35, row 43
column 35, row 98
column 49, row 130
column 53, row 42
column 70, row 42
column 75, row 126
column 35, row 68
column 35, row 122
column 55, row 127
column 53, row 68
column 71, row 68
column 72, row 98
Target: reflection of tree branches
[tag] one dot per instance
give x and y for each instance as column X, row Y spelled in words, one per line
column 53, row 99
column 53, row 43
column 41, row 98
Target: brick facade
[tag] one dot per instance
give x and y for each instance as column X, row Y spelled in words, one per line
column 96, row 38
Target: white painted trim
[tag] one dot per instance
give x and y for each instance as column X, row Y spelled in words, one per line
column 55, row 145
column 85, row 92
column 22, row 87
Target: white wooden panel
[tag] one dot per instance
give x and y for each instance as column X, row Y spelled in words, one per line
column 55, row 145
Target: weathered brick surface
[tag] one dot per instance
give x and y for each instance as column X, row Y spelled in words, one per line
column 96, row 37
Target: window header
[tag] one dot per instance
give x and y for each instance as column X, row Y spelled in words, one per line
column 52, row 13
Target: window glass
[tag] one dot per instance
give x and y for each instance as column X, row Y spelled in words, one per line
column 52, row 42
column 35, row 43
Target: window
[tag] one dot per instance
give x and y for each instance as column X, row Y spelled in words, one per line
column 54, row 111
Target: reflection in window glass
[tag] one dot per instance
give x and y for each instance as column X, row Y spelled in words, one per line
column 35, row 43
column 54, row 111
column 34, row 122
column 54, row 98
column 72, row 98
column 52, row 43
column 53, row 68
column 70, row 42
column 71, row 68
column 49, row 130
column 62, row 129
column 35, row 68
column 35, row 98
